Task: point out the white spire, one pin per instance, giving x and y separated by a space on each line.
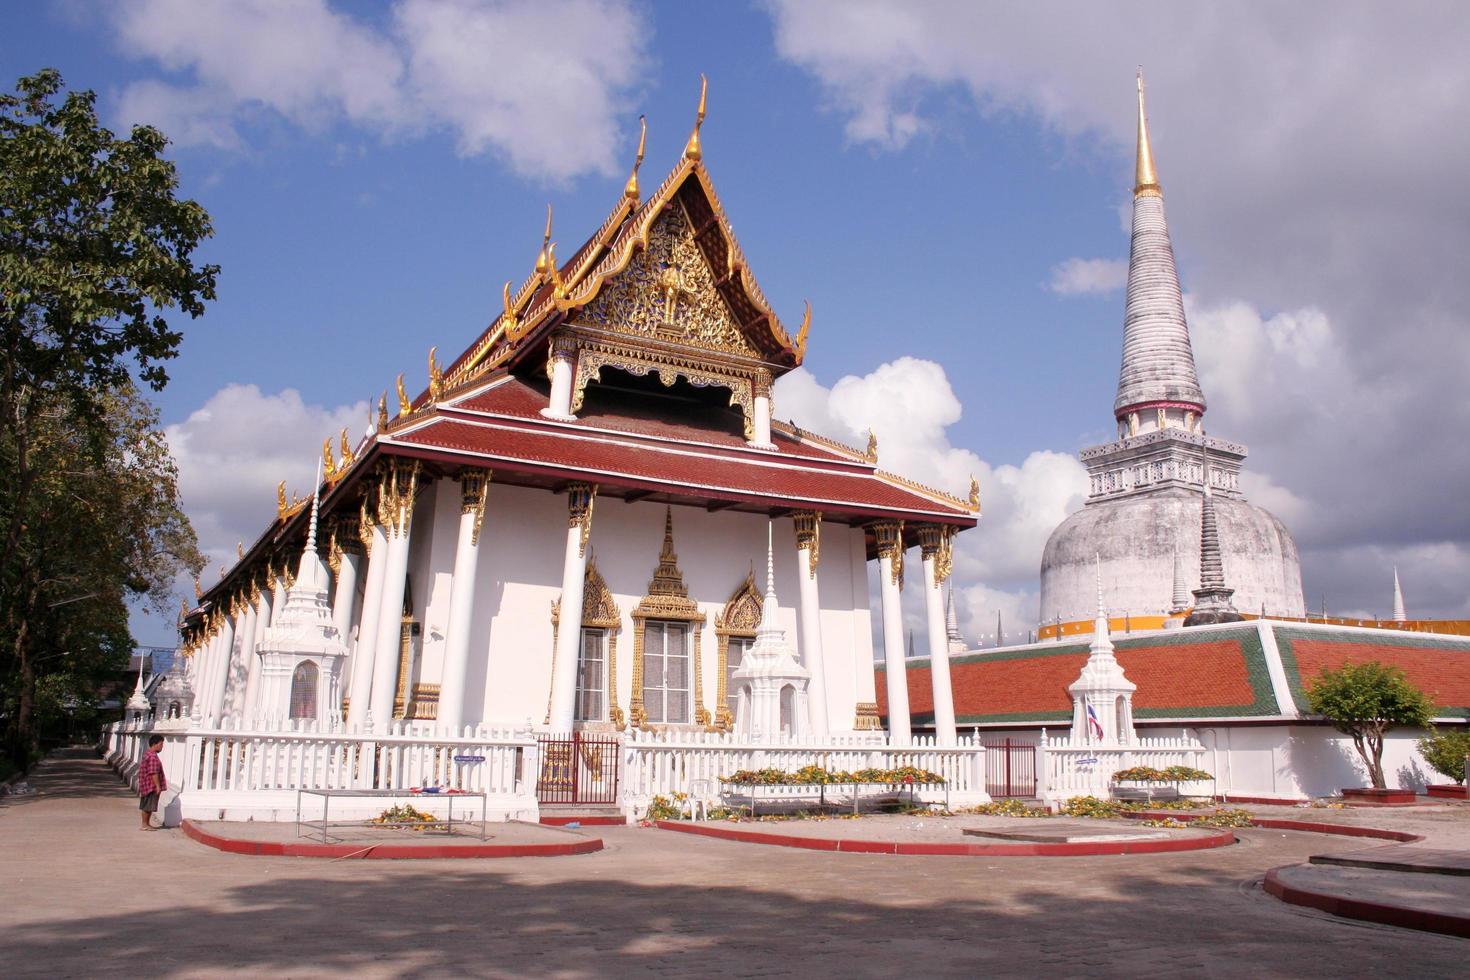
316 501
1398 598
768 626
1181 586
1102 637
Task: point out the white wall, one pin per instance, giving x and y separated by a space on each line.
519 576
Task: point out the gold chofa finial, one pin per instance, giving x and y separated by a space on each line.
198 588
329 465
347 456
631 190
404 405
872 451
974 495
436 376
543 258
558 287
281 499
511 323
806 324
240 550
1146 180
382 411
692 150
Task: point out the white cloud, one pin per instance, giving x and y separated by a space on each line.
909 404
1088 276
233 451
537 82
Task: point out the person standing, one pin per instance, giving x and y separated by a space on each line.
151 780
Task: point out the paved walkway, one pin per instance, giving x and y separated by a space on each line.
87 894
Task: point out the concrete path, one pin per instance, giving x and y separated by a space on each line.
89 895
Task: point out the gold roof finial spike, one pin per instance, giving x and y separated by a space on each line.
974 494
329 465
559 288
512 323
347 456
871 454
240 550
806 324
543 258
1146 180
404 405
692 150
383 411
436 376
631 190
198 588
281 499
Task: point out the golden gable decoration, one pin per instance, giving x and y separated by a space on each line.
740 617
667 599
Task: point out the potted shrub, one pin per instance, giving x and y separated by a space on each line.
1445 752
1365 701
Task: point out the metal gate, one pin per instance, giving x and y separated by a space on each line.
1010 769
578 769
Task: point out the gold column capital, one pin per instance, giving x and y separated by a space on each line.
936 541
474 485
808 525
889 536
580 499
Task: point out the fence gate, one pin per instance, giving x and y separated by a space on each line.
578 769
1010 769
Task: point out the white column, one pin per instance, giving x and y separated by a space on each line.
360 694
580 497
252 674
473 486
890 571
935 544
562 357
760 420
344 592
398 515
247 654
278 596
203 667
808 552
221 676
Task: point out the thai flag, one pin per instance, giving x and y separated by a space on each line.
1096 725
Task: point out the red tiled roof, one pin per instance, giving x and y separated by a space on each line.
727 473
1438 667
1222 676
525 399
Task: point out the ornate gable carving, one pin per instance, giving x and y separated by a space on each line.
667 292
742 614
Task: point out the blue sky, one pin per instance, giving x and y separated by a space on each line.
921 172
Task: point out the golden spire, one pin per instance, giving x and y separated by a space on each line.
404 405
806 324
383 411
692 149
281 499
347 456
329 465
1146 181
631 190
558 287
543 259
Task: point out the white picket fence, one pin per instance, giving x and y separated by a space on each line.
662 764
1067 769
245 773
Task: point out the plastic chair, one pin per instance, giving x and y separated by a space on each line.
700 791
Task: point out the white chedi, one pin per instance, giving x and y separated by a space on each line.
301 653
1102 697
770 684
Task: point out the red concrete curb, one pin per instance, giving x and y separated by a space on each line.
263 848
1273 823
1352 908
1219 838
584 821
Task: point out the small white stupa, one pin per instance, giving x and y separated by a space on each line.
138 706
301 655
1102 697
172 698
770 684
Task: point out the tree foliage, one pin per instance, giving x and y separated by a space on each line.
1445 752
96 257
1365 701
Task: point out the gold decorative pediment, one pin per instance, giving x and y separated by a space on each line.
667 292
742 614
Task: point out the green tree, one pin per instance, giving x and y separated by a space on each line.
1445 752
96 256
1365 701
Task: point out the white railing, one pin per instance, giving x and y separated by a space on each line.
661 764
1067 769
233 766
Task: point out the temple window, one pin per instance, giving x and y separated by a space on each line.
734 656
303 691
592 676
788 709
666 672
